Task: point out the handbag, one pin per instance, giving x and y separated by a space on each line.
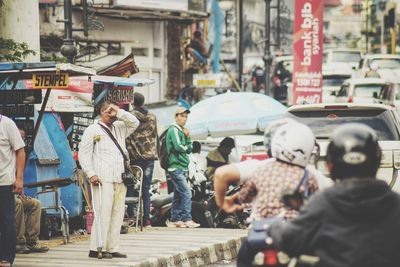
127 176
258 236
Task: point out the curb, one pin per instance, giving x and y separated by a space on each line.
200 257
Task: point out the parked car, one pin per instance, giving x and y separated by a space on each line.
362 90
386 65
351 57
324 118
333 76
389 95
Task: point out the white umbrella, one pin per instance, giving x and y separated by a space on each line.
233 114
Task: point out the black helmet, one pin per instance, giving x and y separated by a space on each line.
353 152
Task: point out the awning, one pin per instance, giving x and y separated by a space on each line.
26 70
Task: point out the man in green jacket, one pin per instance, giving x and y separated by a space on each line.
179 146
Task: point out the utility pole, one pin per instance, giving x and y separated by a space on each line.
240 45
267 51
68 48
366 27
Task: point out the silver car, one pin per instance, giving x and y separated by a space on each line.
324 118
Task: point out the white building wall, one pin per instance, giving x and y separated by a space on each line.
144 38
19 20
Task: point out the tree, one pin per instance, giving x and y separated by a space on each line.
11 50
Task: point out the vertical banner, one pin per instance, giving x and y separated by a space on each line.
307 47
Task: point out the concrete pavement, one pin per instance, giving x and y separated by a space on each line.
157 246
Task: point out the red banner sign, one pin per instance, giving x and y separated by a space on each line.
307 47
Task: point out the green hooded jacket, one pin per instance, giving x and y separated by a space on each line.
179 147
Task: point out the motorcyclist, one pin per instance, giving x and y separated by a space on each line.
265 184
355 222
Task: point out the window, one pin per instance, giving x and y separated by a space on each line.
140 51
157 52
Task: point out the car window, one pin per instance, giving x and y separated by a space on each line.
334 80
346 56
324 122
389 63
344 90
384 93
366 90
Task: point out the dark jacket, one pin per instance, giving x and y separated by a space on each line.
355 223
142 144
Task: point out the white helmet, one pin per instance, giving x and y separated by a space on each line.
293 143
270 130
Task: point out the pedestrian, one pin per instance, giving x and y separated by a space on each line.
103 164
263 187
197 164
258 79
197 48
219 156
356 221
197 168
12 164
27 213
142 148
179 146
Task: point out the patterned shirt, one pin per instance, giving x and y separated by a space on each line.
265 187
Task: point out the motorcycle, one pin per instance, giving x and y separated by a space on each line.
267 252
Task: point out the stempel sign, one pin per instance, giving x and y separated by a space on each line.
50 80
307 47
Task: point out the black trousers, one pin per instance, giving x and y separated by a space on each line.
8 233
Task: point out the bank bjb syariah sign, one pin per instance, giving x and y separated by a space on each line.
308 51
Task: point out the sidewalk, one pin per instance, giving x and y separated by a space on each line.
153 247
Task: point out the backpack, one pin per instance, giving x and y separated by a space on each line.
163 154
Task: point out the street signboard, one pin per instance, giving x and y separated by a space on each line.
50 80
307 49
26 125
20 97
80 122
207 80
17 110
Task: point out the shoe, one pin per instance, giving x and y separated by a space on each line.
147 224
191 224
22 249
178 224
105 255
118 255
4 263
36 247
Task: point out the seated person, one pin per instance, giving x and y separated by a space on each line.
219 156
27 215
197 48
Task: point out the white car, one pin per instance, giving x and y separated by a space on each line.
362 90
333 76
351 57
386 65
324 118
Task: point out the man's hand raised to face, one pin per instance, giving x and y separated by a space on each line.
112 110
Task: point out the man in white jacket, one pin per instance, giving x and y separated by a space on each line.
103 164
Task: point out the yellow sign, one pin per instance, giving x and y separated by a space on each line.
206 83
50 80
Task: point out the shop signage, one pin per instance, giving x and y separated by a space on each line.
17 110
20 96
208 80
307 48
50 80
26 125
